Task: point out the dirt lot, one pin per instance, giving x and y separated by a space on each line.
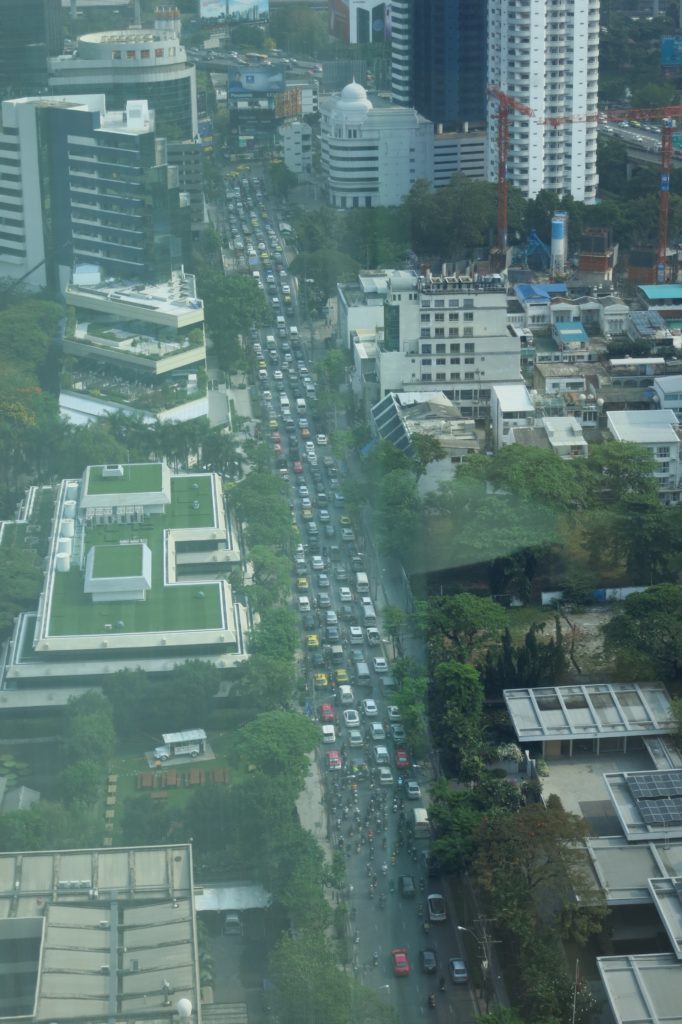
582 634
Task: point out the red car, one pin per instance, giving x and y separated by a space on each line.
297 467
326 713
401 759
334 764
401 965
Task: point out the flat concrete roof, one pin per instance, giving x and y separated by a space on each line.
513 397
118 930
644 426
643 989
591 709
624 870
667 895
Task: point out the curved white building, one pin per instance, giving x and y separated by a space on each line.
130 64
372 156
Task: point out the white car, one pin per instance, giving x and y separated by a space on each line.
380 666
278 375
321 439
345 594
370 708
385 776
324 515
309 446
351 717
436 907
355 634
304 604
412 791
397 732
393 712
306 503
312 458
317 560
354 738
303 491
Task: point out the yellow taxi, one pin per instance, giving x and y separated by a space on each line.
307 513
262 365
341 676
272 422
321 679
312 640
345 521
302 583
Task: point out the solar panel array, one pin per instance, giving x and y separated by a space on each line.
658 796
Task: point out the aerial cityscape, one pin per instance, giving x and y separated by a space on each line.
341 512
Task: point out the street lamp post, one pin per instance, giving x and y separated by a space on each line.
483 943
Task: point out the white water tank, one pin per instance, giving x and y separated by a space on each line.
64 546
63 563
69 511
67 528
72 490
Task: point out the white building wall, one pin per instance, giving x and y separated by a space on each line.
546 56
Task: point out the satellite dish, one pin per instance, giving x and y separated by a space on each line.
184 1008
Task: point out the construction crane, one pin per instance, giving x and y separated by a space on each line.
505 104
666 116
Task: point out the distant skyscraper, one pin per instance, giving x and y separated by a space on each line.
546 54
30 31
438 55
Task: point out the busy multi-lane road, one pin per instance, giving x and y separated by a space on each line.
402 936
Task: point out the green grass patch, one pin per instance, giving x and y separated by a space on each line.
139 478
117 560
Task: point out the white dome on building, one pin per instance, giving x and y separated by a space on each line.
354 97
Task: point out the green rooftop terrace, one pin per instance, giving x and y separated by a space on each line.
185 606
138 478
113 561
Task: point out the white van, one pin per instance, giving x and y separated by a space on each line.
346 695
381 755
421 823
281 326
293 333
328 734
361 583
368 610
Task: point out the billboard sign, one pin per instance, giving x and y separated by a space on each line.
248 10
262 78
671 51
212 10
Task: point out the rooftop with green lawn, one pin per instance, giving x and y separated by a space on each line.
166 607
136 478
116 560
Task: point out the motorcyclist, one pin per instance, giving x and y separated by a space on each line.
441 983
432 1000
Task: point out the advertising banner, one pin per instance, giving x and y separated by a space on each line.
288 103
212 10
248 10
263 78
671 51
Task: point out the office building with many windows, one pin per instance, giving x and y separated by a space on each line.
128 65
103 184
545 53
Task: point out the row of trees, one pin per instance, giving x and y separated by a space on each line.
526 859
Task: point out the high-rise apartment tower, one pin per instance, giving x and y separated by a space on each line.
545 53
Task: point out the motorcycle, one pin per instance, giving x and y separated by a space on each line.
431 1001
441 984
375 959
